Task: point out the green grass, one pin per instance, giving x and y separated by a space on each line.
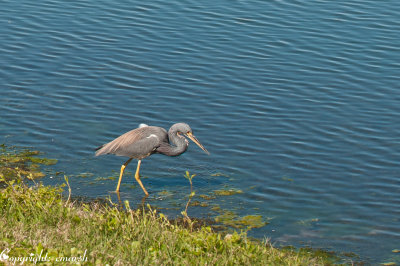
39 222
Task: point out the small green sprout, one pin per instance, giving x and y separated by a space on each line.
189 177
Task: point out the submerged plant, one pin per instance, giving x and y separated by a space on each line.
231 219
227 192
21 163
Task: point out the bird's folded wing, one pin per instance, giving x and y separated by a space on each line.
122 141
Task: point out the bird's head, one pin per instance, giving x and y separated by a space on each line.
184 129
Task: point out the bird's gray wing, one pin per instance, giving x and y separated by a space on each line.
120 145
141 148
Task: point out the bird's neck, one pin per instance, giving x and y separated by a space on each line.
179 143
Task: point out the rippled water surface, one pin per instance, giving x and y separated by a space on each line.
297 101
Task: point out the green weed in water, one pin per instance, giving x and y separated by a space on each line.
227 192
105 178
231 219
165 193
21 163
207 197
219 174
199 203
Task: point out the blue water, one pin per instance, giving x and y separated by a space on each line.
297 101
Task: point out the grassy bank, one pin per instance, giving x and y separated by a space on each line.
37 220
39 224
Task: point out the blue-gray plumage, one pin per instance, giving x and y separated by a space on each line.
147 140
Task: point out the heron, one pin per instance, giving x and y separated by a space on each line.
146 140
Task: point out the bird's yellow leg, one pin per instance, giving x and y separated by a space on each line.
137 177
122 172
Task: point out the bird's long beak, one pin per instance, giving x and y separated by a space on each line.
194 139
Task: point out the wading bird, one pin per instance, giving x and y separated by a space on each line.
146 140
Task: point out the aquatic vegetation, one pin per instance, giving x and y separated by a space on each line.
21 163
231 219
220 174
165 193
130 186
207 197
85 175
216 208
227 192
199 203
105 178
392 260
253 221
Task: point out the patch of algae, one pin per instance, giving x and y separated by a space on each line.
21 163
227 192
230 218
198 203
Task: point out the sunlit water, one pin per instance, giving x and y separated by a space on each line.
297 101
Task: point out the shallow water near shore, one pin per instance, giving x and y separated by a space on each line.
297 103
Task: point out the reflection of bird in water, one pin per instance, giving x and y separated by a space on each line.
146 140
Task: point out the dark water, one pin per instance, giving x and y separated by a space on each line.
297 101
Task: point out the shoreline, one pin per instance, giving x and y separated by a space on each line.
40 222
